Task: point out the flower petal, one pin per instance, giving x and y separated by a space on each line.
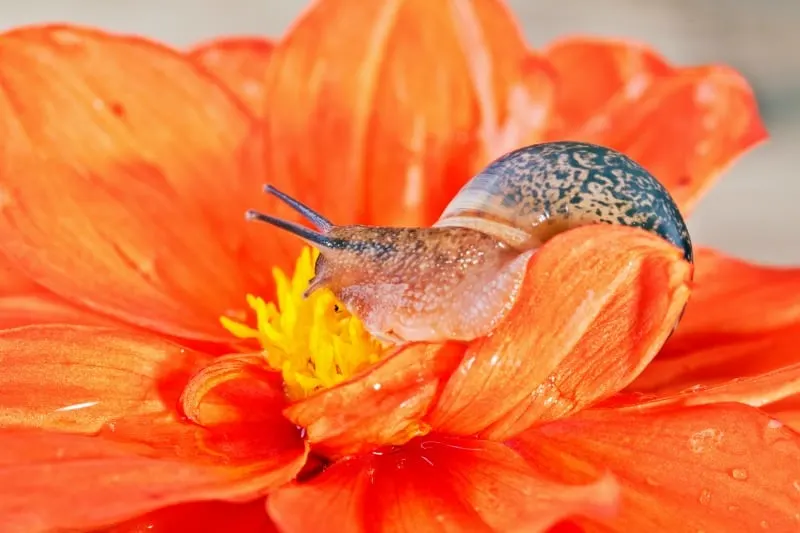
46 308
725 467
383 406
592 72
240 62
596 305
686 129
757 391
52 481
12 281
78 379
123 388
742 320
435 484
787 411
149 169
417 95
206 516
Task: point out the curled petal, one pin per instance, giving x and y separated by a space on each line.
742 320
724 467
56 482
128 170
594 72
436 484
596 305
419 93
686 129
240 62
381 407
243 377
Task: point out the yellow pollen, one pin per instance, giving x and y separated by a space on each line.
314 342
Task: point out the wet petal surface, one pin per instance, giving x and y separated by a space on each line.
725 467
436 483
121 390
596 305
383 406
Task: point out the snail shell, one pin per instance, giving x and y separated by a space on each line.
531 194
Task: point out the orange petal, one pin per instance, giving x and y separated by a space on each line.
78 379
147 180
380 111
42 307
596 305
240 62
51 481
787 411
382 406
435 484
202 517
592 72
256 391
123 387
757 391
686 129
742 319
724 467
12 281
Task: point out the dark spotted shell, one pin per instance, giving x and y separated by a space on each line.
531 194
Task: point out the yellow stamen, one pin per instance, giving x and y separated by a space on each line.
314 342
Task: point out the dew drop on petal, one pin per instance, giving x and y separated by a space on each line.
764 524
796 485
705 497
774 424
652 481
739 473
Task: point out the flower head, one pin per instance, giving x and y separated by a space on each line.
126 401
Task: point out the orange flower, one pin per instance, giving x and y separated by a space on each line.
127 168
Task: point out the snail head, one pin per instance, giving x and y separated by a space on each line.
409 284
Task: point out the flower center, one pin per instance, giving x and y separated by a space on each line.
314 342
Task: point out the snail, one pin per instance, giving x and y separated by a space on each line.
457 279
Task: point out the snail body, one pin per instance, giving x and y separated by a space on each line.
457 279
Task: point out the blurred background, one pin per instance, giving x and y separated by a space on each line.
754 212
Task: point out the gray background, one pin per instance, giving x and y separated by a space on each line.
753 212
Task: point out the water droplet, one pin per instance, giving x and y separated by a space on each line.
705 497
739 473
764 524
796 485
705 439
377 386
652 482
774 424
